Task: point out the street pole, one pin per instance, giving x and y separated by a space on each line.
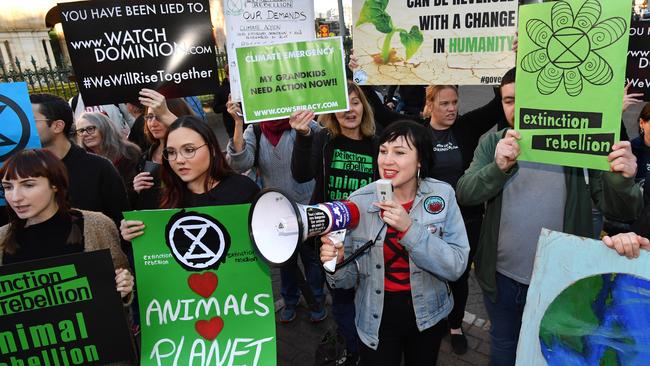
341 19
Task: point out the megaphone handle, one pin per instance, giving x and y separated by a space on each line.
336 237
330 265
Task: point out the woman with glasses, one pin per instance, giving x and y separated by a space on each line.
195 173
97 134
146 183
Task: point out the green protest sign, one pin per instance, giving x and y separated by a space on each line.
570 77
281 78
62 311
205 298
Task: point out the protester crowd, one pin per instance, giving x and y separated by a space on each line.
459 202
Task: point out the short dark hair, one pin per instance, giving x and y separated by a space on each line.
54 108
417 136
174 188
508 77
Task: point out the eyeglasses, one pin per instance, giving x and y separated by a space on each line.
149 117
187 152
88 130
42 119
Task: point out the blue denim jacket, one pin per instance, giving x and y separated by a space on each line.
438 251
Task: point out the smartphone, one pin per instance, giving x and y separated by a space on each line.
151 167
384 190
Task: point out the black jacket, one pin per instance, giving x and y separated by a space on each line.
95 184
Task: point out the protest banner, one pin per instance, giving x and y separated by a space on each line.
17 125
62 311
418 42
204 296
118 47
259 22
586 305
638 59
282 78
570 79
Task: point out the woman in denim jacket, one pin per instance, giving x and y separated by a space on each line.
420 244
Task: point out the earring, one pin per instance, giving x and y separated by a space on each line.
418 176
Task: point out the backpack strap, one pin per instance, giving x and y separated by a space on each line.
257 129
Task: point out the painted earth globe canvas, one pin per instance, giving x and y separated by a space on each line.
599 320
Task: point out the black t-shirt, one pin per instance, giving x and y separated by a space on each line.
349 165
46 239
232 190
448 165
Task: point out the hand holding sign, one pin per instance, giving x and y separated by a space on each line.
630 99
130 229
234 108
123 281
156 102
300 120
627 244
507 151
622 160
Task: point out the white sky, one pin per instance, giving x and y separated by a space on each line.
321 6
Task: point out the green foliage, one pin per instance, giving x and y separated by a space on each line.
374 11
411 40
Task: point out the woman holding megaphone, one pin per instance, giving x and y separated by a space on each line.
420 244
341 158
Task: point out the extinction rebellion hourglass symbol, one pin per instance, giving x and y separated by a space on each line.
198 242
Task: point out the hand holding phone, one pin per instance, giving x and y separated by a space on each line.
384 190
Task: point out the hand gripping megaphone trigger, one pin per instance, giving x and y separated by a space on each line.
277 225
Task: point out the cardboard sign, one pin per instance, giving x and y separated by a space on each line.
638 59
586 305
259 22
118 47
570 79
417 42
282 78
62 311
17 125
205 298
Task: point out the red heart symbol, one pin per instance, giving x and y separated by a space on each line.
209 329
203 284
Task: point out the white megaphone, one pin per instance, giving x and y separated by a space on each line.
277 225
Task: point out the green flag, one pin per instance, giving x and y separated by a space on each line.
205 298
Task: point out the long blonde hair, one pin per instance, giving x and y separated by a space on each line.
367 125
431 96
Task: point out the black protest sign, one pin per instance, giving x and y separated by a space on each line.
638 59
118 47
62 311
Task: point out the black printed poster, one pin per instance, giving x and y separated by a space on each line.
638 59
120 47
62 311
